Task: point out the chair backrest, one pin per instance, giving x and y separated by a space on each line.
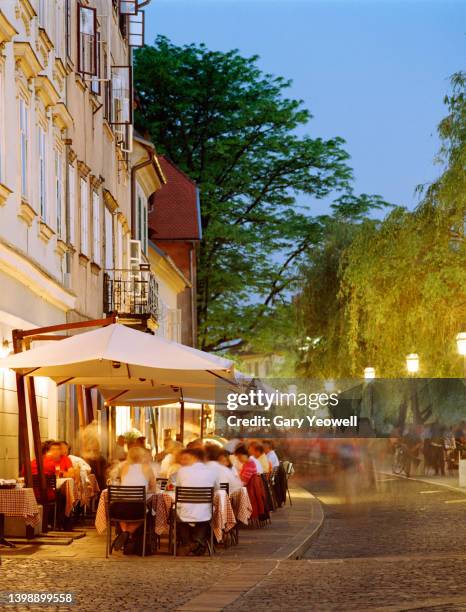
162 482
134 497
50 482
194 495
273 474
289 468
225 486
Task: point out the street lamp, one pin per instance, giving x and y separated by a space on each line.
412 363
461 344
369 373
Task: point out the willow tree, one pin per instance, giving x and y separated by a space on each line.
403 281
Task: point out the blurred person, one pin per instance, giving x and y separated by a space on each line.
54 462
194 518
248 466
270 453
119 452
82 468
172 447
222 472
134 472
437 448
196 443
256 450
413 443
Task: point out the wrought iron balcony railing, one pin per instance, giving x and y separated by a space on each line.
131 293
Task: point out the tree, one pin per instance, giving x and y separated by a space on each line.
234 131
399 284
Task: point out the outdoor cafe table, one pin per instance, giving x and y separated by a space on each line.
241 505
161 503
18 503
70 490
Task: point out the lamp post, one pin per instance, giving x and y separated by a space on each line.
369 375
412 365
461 345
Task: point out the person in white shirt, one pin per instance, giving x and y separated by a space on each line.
194 518
271 454
218 462
171 449
83 469
260 469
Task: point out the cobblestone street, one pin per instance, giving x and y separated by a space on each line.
398 549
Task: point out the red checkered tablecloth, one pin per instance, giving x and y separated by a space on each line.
88 490
159 503
224 517
22 503
241 505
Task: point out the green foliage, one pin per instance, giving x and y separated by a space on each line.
397 286
234 131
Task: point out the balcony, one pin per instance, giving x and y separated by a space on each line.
132 294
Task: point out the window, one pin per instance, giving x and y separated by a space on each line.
24 144
108 239
59 30
96 257
95 80
42 173
84 217
128 7
121 95
71 204
42 13
136 29
2 127
68 21
87 40
141 218
60 208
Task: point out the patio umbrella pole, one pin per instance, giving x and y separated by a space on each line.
37 446
23 434
89 407
202 422
181 435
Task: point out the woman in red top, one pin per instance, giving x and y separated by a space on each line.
248 467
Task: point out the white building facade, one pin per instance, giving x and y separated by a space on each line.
66 185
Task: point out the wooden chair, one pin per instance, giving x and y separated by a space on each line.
194 495
50 487
132 497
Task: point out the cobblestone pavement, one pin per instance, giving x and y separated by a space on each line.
138 584
402 547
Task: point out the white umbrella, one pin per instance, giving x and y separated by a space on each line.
121 357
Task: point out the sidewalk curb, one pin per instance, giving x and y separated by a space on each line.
295 549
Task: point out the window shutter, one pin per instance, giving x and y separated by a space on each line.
108 239
87 40
121 95
96 229
128 7
136 29
84 218
72 205
42 174
59 202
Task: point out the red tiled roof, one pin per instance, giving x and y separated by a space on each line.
175 211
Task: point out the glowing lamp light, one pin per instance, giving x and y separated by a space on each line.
461 343
412 363
4 349
369 373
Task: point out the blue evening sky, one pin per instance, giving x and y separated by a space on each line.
372 71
